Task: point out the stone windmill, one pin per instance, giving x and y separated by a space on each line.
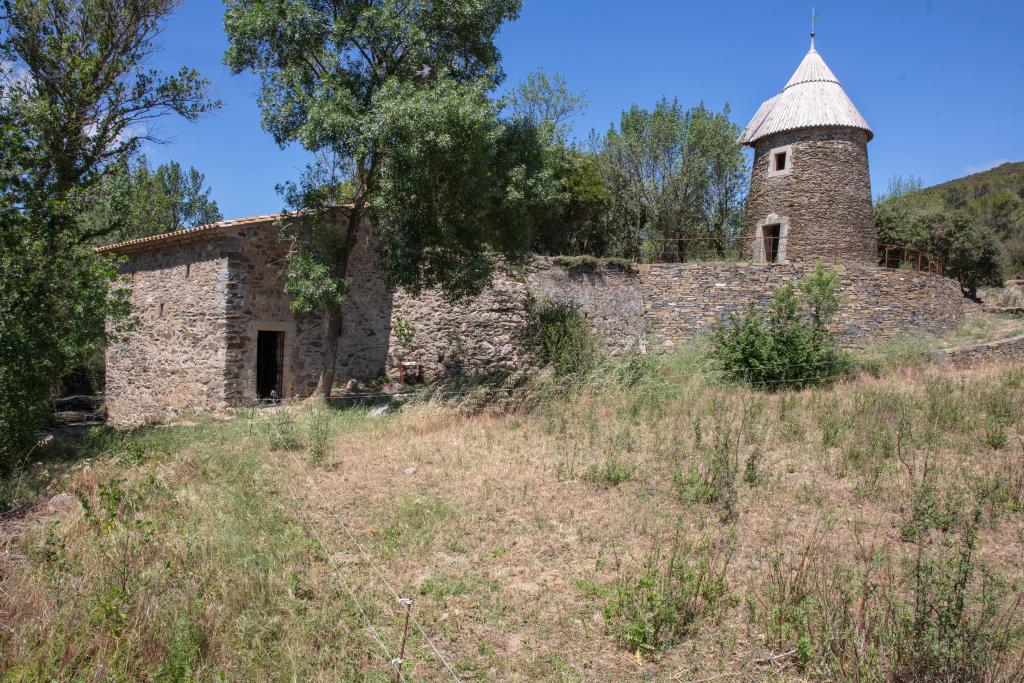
810 191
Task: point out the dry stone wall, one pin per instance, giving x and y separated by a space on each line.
1007 350
201 304
484 334
174 360
683 301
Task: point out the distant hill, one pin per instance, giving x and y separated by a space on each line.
992 201
1008 177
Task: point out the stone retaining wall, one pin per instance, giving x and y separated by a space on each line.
484 334
201 303
1002 350
684 300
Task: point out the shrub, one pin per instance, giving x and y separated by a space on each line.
959 621
593 263
404 332
712 478
610 473
752 469
791 347
281 432
319 433
562 337
661 603
962 620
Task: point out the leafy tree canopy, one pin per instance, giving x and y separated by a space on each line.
673 174
394 96
139 200
985 207
547 102
76 99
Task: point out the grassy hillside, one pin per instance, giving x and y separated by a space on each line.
1009 176
651 524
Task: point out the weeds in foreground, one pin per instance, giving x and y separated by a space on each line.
711 478
663 601
281 431
318 429
611 472
194 558
956 620
175 568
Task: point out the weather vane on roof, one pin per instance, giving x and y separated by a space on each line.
814 18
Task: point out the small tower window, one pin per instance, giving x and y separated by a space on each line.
161 313
780 161
188 270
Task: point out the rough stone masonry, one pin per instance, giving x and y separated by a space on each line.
202 298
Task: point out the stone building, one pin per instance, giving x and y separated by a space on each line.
810 190
215 328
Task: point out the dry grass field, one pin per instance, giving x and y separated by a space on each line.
654 525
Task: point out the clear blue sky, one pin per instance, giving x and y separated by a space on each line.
940 81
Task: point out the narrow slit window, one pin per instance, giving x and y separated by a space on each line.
780 161
188 270
161 313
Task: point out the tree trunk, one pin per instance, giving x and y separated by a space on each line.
326 382
335 317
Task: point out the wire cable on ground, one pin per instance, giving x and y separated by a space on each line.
366 556
659 387
316 534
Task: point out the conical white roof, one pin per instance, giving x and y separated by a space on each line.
813 98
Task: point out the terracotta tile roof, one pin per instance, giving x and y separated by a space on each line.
179 236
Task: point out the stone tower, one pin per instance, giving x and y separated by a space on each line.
810 192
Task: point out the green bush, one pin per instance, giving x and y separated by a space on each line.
789 346
610 473
562 338
662 603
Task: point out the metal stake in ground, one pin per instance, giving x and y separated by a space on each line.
406 603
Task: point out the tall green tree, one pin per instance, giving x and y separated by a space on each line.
972 254
991 202
581 223
76 101
969 249
675 174
547 101
139 200
579 220
395 95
